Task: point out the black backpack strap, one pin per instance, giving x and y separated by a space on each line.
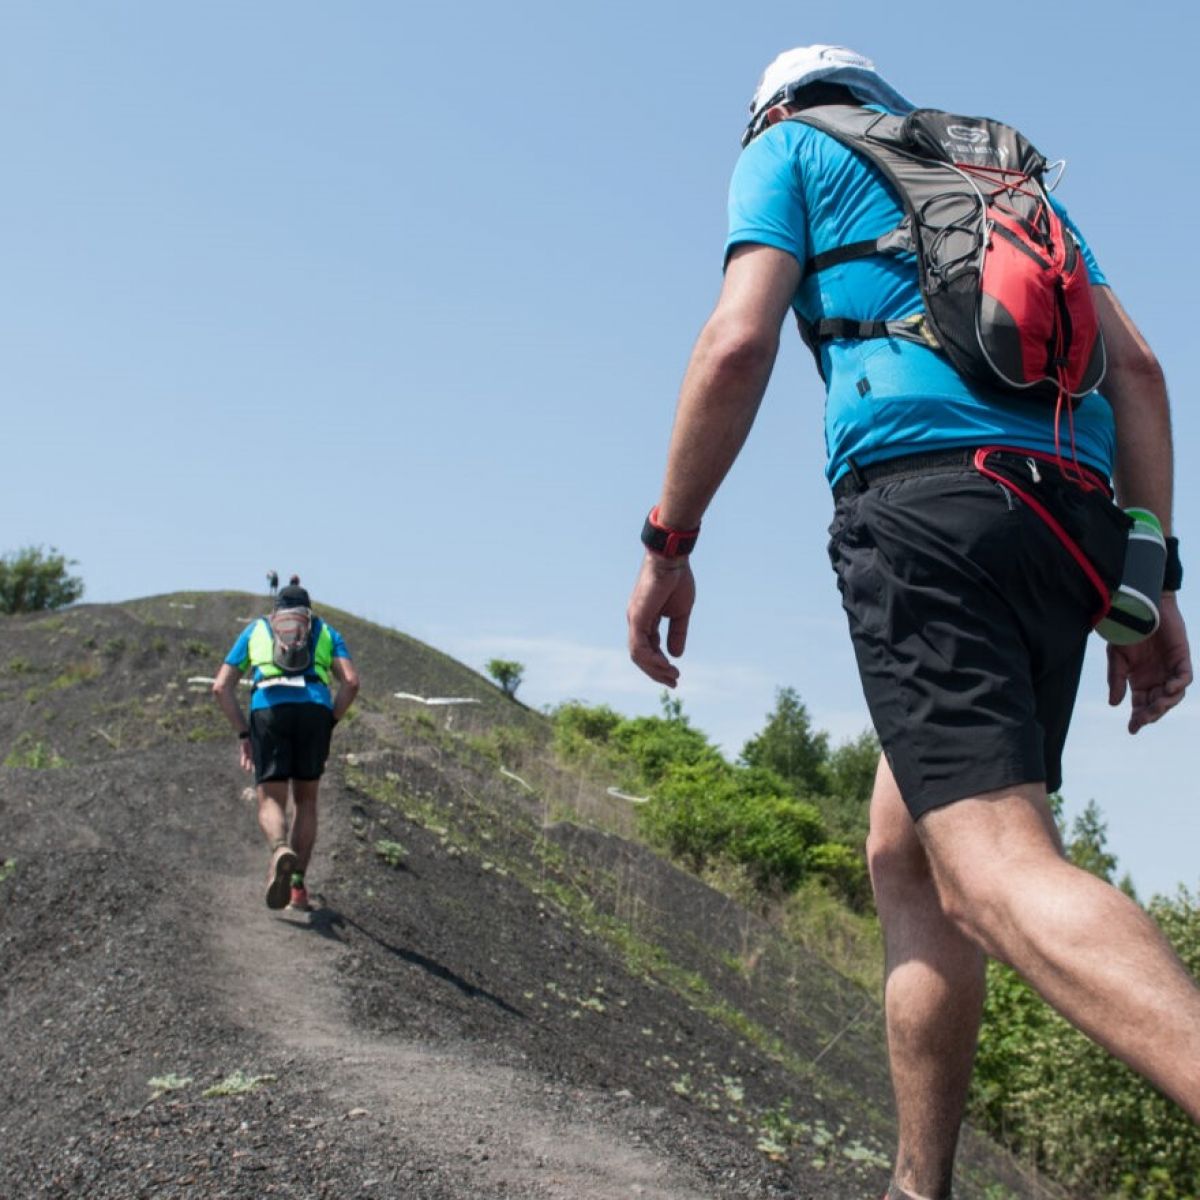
895 241
908 329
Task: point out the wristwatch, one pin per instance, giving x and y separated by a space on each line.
662 539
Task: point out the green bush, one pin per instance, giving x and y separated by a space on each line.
36 580
844 870
708 810
1057 1098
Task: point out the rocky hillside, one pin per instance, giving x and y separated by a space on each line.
500 995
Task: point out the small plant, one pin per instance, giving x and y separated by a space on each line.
19 666
392 853
197 649
34 754
114 647
168 1083
7 867
237 1084
73 673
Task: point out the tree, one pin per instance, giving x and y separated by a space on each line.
788 746
507 674
1088 847
36 580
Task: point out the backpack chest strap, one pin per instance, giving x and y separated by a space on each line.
895 242
909 329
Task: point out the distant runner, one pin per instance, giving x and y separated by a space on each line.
272 583
292 654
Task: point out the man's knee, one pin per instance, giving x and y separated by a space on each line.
897 863
896 859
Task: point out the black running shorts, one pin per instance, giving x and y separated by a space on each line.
290 741
969 619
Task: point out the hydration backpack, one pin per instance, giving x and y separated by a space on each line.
291 636
1006 290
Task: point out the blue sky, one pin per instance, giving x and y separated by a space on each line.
399 297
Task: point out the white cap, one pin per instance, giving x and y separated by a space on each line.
797 68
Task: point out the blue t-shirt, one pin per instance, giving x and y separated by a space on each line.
313 691
802 191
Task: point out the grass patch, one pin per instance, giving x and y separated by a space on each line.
74 673
34 754
850 942
168 1083
392 853
237 1084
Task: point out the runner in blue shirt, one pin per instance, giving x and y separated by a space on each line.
286 739
969 595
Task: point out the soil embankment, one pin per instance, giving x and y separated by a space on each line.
494 999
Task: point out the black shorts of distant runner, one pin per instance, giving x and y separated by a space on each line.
290 741
969 616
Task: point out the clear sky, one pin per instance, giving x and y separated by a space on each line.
399 296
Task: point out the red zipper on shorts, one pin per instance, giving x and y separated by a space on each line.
1072 548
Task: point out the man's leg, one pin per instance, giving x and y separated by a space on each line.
1088 949
304 824
272 820
272 811
933 996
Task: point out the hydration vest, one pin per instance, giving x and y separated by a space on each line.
262 653
1006 290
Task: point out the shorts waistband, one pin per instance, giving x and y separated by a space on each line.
858 479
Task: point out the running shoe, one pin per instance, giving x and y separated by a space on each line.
279 880
299 901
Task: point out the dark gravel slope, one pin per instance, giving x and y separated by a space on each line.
490 1001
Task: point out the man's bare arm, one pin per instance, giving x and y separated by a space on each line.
722 390
1157 671
1136 389
725 379
225 693
347 677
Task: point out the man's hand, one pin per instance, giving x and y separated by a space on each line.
246 758
665 588
1158 670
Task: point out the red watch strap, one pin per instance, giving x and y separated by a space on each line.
663 539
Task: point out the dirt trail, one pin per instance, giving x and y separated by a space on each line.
506 1128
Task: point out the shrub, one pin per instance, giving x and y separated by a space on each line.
709 810
36 580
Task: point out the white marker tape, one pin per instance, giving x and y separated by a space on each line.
612 791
